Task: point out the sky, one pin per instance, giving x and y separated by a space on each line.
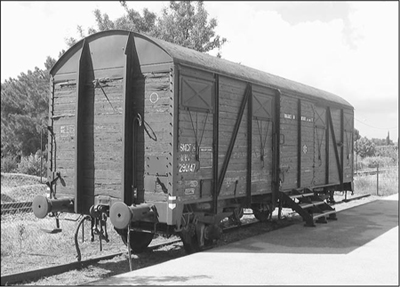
347 48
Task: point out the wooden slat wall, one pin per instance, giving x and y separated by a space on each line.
187 155
159 117
194 184
348 145
288 149
320 146
333 167
64 129
231 93
307 144
107 139
261 171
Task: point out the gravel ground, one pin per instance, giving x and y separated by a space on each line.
118 265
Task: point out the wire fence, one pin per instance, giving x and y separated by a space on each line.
29 243
377 181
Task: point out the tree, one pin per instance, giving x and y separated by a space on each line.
388 140
356 134
50 62
24 101
365 147
187 25
24 111
382 142
133 21
182 23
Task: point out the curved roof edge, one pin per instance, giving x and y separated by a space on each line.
221 66
225 67
78 45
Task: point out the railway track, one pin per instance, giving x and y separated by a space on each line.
55 270
16 207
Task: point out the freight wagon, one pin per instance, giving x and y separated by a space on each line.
164 139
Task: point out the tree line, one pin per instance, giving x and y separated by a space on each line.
365 147
25 100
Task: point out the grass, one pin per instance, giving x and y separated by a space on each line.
388 183
24 246
16 187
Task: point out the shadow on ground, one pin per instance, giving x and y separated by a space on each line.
152 280
354 228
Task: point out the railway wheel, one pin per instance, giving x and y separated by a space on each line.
236 216
138 240
190 242
262 212
190 238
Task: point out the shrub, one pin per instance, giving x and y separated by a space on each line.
364 147
390 151
8 164
372 161
32 165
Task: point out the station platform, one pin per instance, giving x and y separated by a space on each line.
360 248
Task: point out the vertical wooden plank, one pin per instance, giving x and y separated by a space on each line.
341 148
84 181
80 85
307 146
299 143
327 157
174 92
320 145
288 142
129 123
50 175
215 144
352 148
276 146
335 149
249 145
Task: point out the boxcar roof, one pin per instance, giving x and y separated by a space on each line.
204 61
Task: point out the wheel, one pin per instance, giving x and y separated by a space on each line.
262 212
138 240
261 215
236 216
189 239
191 242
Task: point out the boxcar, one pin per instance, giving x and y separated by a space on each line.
165 139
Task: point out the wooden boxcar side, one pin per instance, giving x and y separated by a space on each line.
164 138
199 104
306 158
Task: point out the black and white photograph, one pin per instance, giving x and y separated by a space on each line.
199 143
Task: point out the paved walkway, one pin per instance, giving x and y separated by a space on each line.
360 248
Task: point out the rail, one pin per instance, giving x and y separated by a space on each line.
16 207
54 270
